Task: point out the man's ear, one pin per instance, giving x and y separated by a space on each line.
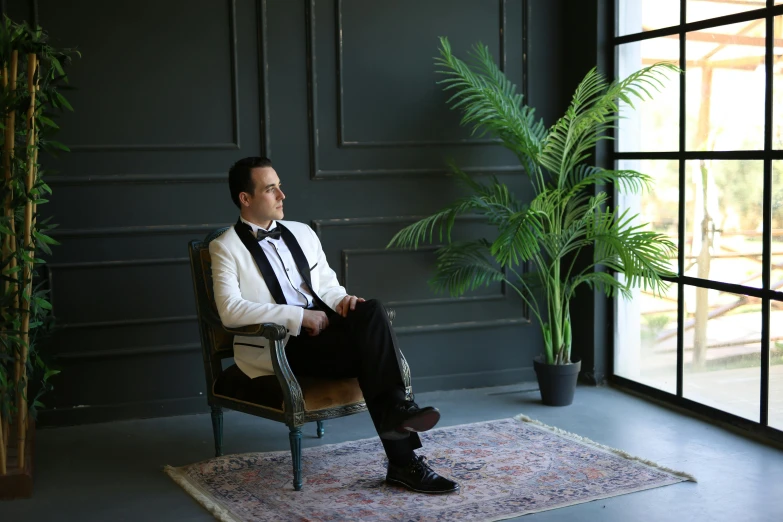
243 199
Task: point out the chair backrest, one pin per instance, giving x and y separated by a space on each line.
216 344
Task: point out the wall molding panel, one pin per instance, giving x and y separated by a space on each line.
343 142
234 144
319 173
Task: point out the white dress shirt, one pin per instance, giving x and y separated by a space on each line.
294 288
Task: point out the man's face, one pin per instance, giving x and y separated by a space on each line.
266 201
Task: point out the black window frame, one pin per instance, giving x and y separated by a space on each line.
767 155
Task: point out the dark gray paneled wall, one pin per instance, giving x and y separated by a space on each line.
341 95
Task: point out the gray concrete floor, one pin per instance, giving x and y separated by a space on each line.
111 472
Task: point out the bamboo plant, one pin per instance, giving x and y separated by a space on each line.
32 75
568 216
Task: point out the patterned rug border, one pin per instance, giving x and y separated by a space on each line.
216 508
223 514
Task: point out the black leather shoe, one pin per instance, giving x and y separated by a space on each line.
417 476
406 417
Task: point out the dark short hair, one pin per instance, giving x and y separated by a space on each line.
240 178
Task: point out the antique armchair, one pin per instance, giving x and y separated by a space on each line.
281 397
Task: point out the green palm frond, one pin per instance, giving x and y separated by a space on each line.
625 180
517 240
621 245
497 203
490 103
464 266
424 229
604 281
593 110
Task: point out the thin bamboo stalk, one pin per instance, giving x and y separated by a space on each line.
3 423
28 266
9 80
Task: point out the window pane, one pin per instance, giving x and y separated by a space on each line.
635 16
645 348
722 342
653 125
777 86
776 270
703 9
646 326
723 221
776 366
776 344
725 87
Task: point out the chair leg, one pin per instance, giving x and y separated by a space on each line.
217 429
320 429
295 436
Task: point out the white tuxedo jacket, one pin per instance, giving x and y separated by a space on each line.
243 298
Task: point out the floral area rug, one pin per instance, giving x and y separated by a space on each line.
506 468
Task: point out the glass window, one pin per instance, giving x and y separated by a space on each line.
776 311
646 339
720 167
722 351
697 10
723 221
725 87
777 86
776 270
652 125
636 16
646 333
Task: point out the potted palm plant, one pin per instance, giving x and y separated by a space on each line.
568 217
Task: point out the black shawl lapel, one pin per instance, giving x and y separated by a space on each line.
301 264
244 231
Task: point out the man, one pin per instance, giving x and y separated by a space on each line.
267 270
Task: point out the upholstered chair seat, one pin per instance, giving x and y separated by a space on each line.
320 395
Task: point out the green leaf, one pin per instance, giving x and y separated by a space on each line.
45 239
45 248
43 303
463 266
64 102
57 145
45 187
48 122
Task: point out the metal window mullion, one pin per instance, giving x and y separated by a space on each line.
722 155
681 211
701 25
767 217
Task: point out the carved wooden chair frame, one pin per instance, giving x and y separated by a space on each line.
217 344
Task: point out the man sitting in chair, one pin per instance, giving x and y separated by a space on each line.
330 334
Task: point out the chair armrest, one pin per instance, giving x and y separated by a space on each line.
293 398
292 391
271 331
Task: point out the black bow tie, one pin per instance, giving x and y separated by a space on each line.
272 234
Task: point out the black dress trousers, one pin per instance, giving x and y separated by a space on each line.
362 345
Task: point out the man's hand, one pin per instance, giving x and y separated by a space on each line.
314 321
348 303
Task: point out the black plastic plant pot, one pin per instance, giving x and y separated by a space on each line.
557 382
